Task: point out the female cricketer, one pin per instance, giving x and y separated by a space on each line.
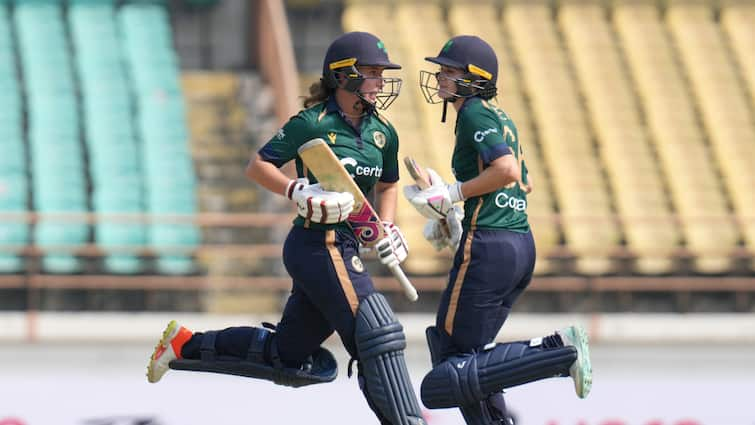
495 250
331 290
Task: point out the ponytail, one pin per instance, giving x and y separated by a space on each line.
318 93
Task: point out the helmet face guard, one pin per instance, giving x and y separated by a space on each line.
355 49
467 85
350 79
475 58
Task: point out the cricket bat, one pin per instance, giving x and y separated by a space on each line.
367 226
423 182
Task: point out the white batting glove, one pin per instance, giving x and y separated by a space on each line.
437 236
317 204
392 249
435 201
433 233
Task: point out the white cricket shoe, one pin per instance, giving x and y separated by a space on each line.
169 348
581 369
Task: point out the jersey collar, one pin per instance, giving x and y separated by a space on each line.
332 106
468 101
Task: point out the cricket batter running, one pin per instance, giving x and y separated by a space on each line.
331 289
495 250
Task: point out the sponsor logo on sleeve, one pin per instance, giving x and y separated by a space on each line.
479 135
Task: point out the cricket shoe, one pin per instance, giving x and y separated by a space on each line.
581 369
168 349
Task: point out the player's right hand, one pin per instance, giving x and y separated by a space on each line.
437 200
317 204
438 238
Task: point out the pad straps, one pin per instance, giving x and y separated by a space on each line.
207 347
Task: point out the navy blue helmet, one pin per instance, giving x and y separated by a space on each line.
353 49
472 55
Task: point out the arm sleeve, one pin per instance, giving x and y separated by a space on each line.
282 147
390 158
487 136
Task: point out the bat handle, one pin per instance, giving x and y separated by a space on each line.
444 228
409 291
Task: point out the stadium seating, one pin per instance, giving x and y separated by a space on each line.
59 183
737 23
636 119
722 103
575 170
695 188
169 178
13 180
108 131
623 144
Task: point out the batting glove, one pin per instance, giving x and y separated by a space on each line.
319 205
450 237
392 249
436 201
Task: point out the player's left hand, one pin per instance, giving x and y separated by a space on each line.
436 201
392 249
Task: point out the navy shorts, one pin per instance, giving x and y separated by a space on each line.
329 281
491 269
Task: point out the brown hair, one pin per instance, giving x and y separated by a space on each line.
317 93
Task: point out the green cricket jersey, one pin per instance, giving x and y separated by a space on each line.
369 154
484 133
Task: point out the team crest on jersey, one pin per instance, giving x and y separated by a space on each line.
356 263
332 137
379 139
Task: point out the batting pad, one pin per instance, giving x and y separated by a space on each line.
380 343
321 367
467 379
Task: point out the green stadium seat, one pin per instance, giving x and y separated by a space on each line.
175 265
13 158
61 263
10 263
13 191
123 264
52 234
56 202
127 200
173 235
14 233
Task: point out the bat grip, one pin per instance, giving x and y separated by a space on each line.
444 228
409 291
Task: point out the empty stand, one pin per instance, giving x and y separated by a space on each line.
583 198
623 143
168 172
13 180
696 190
57 162
722 103
114 156
737 19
